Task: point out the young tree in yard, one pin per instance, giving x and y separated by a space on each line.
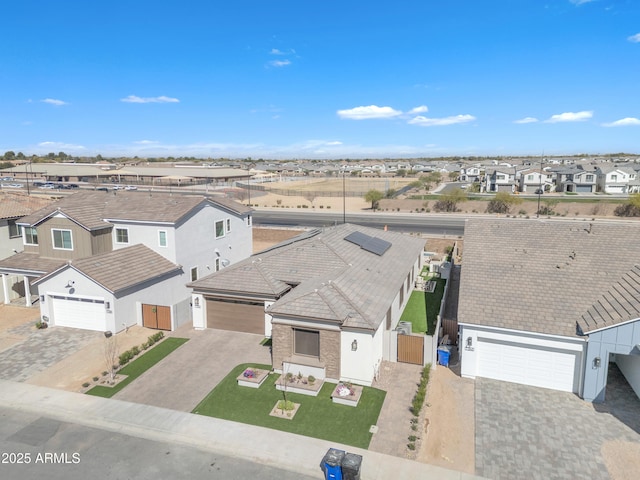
453 176
373 196
502 203
310 196
449 202
111 355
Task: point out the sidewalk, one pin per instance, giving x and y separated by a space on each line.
255 444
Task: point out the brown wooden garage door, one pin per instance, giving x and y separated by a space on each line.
237 316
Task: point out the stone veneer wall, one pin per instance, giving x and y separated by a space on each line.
282 348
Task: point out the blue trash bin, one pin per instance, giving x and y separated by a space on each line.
443 356
332 464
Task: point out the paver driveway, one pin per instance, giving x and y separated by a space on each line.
534 433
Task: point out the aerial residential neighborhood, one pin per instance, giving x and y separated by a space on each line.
310 240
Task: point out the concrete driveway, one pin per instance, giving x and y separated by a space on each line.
534 433
181 380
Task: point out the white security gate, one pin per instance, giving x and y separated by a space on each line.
528 364
78 312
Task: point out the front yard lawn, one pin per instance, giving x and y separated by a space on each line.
317 417
140 365
423 307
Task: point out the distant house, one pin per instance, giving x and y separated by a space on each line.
575 179
501 180
550 304
531 180
131 253
614 179
328 299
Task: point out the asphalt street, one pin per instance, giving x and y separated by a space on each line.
37 447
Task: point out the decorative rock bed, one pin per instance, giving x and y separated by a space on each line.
252 377
347 394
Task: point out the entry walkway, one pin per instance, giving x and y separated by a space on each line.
255 444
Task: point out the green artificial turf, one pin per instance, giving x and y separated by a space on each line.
422 309
317 417
140 365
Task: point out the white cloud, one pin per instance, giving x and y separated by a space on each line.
581 2
53 101
160 99
437 122
420 109
570 117
146 142
623 122
279 63
334 143
527 120
371 111
634 38
275 51
60 146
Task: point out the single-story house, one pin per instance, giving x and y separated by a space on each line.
112 291
328 299
550 303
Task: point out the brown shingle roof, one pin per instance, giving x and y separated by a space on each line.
92 210
543 275
16 205
30 263
124 268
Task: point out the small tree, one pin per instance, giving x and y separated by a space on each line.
547 208
374 196
310 196
449 202
630 208
111 354
453 176
502 203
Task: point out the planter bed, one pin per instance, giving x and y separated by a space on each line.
351 399
298 386
252 377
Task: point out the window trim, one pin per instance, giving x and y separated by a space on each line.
53 238
17 229
121 229
215 229
166 239
34 233
310 355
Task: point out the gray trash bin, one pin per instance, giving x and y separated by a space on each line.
351 464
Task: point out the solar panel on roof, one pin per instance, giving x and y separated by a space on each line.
358 238
376 245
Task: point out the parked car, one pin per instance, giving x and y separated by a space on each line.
6 179
102 189
14 185
130 187
72 185
38 184
118 187
48 186
539 191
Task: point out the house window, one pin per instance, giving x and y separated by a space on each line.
401 296
220 229
529 177
306 342
62 239
194 274
217 266
14 230
614 178
162 238
122 235
248 220
30 236
228 225
389 319
589 178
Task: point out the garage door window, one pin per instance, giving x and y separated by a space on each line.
306 342
62 239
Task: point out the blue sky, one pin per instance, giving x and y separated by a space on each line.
320 79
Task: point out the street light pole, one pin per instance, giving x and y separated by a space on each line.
540 185
344 200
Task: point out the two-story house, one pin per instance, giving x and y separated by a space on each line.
104 261
12 207
501 179
575 179
614 179
531 180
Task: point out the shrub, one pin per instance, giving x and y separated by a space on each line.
125 357
419 397
135 351
627 210
311 379
86 384
286 406
95 379
412 438
411 446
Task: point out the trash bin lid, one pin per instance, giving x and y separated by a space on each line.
352 461
334 457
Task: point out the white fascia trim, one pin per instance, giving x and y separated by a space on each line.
520 332
141 222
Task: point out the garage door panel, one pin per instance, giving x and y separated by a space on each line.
528 364
77 312
236 316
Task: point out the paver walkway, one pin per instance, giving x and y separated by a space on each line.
39 349
534 433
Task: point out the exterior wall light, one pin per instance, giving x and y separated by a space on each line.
469 344
596 362
354 345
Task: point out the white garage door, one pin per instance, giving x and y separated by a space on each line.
76 312
527 364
